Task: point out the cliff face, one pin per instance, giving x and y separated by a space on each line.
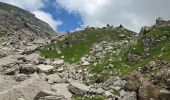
20 28
16 20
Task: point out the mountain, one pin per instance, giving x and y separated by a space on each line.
140 59
109 63
19 28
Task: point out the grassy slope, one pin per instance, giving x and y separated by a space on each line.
160 50
81 42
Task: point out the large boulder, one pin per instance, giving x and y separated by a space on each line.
133 82
162 78
149 91
164 94
27 69
62 89
54 78
47 95
78 88
28 89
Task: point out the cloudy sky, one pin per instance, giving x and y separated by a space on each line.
70 15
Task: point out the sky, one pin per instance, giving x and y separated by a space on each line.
71 15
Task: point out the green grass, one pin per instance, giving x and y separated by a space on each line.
91 97
81 42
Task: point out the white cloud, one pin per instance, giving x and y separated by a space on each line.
35 7
132 14
46 17
29 5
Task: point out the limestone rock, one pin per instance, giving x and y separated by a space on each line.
86 63
45 68
27 69
62 89
58 62
27 89
78 88
54 78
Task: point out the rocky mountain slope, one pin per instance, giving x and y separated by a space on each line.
19 28
109 63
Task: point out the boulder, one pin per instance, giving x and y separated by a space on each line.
58 62
20 77
62 89
129 96
109 82
28 89
85 63
133 57
149 91
133 82
47 95
45 68
10 71
164 94
162 77
54 78
27 69
78 88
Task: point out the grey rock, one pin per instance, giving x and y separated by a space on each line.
28 89
78 88
28 69
45 68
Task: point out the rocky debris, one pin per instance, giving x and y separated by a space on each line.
78 88
150 66
128 96
45 68
109 82
28 89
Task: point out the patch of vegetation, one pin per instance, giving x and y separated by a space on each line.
159 32
78 44
89 97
